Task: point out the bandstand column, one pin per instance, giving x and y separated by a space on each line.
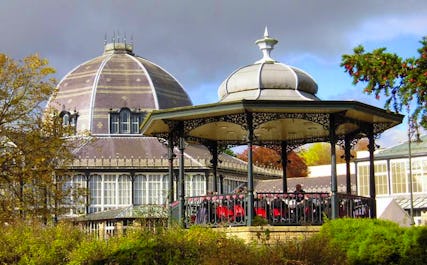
213 148
171 176
250 139
347 156
181 186
334 186
284 159
372 190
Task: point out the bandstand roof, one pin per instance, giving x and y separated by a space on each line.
273 120
278 101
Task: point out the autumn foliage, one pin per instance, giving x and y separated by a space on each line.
266 157
32 143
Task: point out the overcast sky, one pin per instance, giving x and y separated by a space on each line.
202 42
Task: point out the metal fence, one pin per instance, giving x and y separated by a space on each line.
272 208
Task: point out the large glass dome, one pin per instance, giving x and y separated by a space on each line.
116 86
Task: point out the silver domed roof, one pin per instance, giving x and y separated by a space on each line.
117 79
268 79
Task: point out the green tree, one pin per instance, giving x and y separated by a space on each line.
402 81
317 154
320 153
229 152
33 147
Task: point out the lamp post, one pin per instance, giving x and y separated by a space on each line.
411 199
412 128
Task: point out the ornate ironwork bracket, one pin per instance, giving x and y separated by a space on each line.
239 119
380 127
175 129
278 148
320 118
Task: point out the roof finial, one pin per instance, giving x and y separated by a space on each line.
119 43
266 45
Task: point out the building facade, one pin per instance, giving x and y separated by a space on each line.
118 168
108 98
394 175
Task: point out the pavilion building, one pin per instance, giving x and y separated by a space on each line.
265 103
400 175
108 97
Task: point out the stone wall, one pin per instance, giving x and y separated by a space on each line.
270 234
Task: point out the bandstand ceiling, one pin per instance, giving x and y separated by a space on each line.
273 121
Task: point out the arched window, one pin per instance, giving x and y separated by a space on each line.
125 185
150 189
69 119
95 191
195 185
67 188
110 190
66 119
114 123
138 186
135 122
157 189
125 121
79 193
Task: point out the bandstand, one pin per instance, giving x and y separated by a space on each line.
271 104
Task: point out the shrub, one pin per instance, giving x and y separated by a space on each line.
365 241
33 243
197 245
413 247
90 251
341 241
313 250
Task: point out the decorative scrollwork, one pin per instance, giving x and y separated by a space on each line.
221 143
239 119
291 147
320 118
341 143
381 126
339 120
354 141
274 147
298 142
174 131
278 148
212 147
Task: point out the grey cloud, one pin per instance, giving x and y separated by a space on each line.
199 42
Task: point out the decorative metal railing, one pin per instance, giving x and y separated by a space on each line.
354 206
216 210
273 208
